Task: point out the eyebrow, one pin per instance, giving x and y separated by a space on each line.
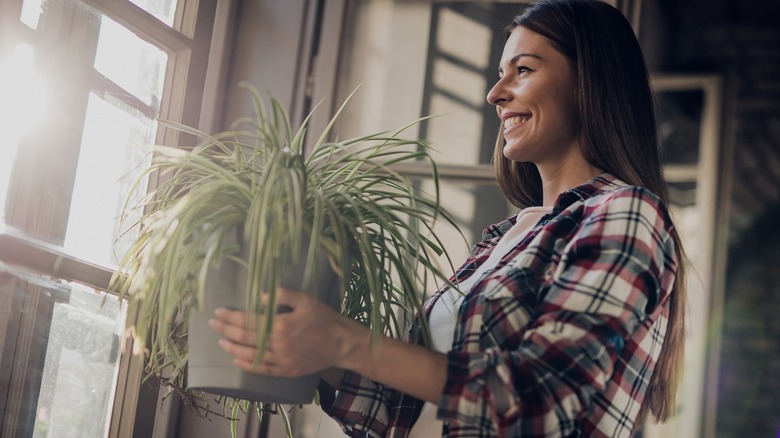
516 58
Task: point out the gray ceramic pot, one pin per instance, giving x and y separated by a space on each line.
210 369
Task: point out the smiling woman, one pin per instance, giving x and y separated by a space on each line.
573 328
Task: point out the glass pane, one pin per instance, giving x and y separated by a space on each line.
423 58
682 194
23 106
687 216
115 149
164 10
680 116
130 62
31 12
80 371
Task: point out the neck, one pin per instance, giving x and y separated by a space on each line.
563 175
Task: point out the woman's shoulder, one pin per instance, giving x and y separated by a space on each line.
626 204
608 191
625 195
607 197
628 196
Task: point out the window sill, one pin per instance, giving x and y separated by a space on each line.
23 251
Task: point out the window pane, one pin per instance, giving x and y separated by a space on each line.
23 105
164 10
31 12
436 58
686 213
115 149
130 62
81 366
680 118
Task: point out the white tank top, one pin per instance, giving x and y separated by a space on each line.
444 314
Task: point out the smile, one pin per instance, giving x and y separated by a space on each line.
512 121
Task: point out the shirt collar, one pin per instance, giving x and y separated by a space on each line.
604 183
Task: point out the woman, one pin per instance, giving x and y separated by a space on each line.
571 317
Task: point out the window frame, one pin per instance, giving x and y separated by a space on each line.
32 236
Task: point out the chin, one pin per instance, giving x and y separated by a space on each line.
515 153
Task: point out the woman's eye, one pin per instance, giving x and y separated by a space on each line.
523 69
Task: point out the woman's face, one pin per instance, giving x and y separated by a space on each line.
536 99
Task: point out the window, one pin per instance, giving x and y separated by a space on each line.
689 110
83 84
449 53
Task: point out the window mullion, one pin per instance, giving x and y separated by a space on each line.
144 24
104 87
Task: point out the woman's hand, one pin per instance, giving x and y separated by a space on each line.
311 337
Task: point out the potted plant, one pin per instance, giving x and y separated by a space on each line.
245 211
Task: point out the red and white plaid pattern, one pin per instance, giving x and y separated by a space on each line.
560 339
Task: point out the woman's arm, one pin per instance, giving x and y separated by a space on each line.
312 338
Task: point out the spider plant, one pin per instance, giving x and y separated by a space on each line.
343 200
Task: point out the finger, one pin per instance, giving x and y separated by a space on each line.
246 359
233 317
238 334
238 318
267 369
239 351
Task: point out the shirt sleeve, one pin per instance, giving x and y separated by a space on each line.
361 406
364 408
614 274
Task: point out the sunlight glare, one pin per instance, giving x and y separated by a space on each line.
23 105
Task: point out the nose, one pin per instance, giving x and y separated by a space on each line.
498 94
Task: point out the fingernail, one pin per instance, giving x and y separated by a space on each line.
212 323
222 343
220 311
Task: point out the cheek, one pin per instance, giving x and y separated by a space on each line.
574 115
572 105
566 111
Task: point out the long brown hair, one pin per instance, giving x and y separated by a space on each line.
618 134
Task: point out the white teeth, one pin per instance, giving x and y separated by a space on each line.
515 120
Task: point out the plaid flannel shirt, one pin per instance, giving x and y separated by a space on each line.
560 339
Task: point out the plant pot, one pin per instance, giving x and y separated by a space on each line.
212 370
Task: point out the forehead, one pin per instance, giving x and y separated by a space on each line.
524 41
